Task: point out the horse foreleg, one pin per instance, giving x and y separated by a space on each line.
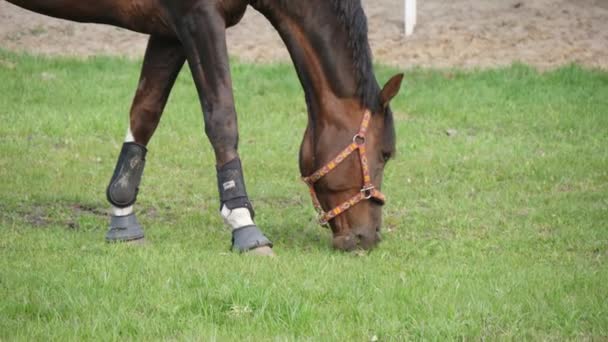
202 31
162 63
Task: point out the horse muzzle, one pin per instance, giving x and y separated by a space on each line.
357 239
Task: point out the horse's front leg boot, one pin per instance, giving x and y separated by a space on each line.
231 186
237 211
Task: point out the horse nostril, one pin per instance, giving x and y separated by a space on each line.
378 234
345 242
368 240
360 240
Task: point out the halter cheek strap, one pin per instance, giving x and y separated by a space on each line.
368 190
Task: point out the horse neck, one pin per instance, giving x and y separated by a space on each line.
318 46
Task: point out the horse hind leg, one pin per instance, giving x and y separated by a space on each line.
202 31
162 63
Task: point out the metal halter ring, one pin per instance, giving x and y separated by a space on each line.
368 192
322 221
359 139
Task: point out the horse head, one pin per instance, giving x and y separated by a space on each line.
342 159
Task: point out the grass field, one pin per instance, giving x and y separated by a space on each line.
499 231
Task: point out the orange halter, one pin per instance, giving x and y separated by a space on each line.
368 190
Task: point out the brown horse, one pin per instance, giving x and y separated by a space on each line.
349 137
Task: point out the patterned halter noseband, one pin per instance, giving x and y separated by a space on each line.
368 190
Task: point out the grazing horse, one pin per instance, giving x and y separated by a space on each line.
350 133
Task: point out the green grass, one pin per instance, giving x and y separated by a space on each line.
498 232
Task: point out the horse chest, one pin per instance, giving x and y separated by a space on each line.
233 10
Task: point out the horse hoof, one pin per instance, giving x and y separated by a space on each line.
138 242
263 251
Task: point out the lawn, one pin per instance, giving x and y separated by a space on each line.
498 230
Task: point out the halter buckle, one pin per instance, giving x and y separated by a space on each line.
368 191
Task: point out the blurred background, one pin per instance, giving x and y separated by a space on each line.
461 33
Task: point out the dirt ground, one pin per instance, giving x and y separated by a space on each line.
463 33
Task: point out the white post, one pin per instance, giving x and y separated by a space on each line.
410 16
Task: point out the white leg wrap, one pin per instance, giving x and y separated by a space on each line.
122 211
129 137
236 218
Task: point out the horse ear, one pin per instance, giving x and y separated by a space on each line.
391 88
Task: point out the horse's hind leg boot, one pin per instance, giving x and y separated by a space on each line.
231 186
124 185
124 228
247 238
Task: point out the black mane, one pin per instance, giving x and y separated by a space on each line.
351 16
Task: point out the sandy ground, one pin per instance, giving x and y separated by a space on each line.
464 33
